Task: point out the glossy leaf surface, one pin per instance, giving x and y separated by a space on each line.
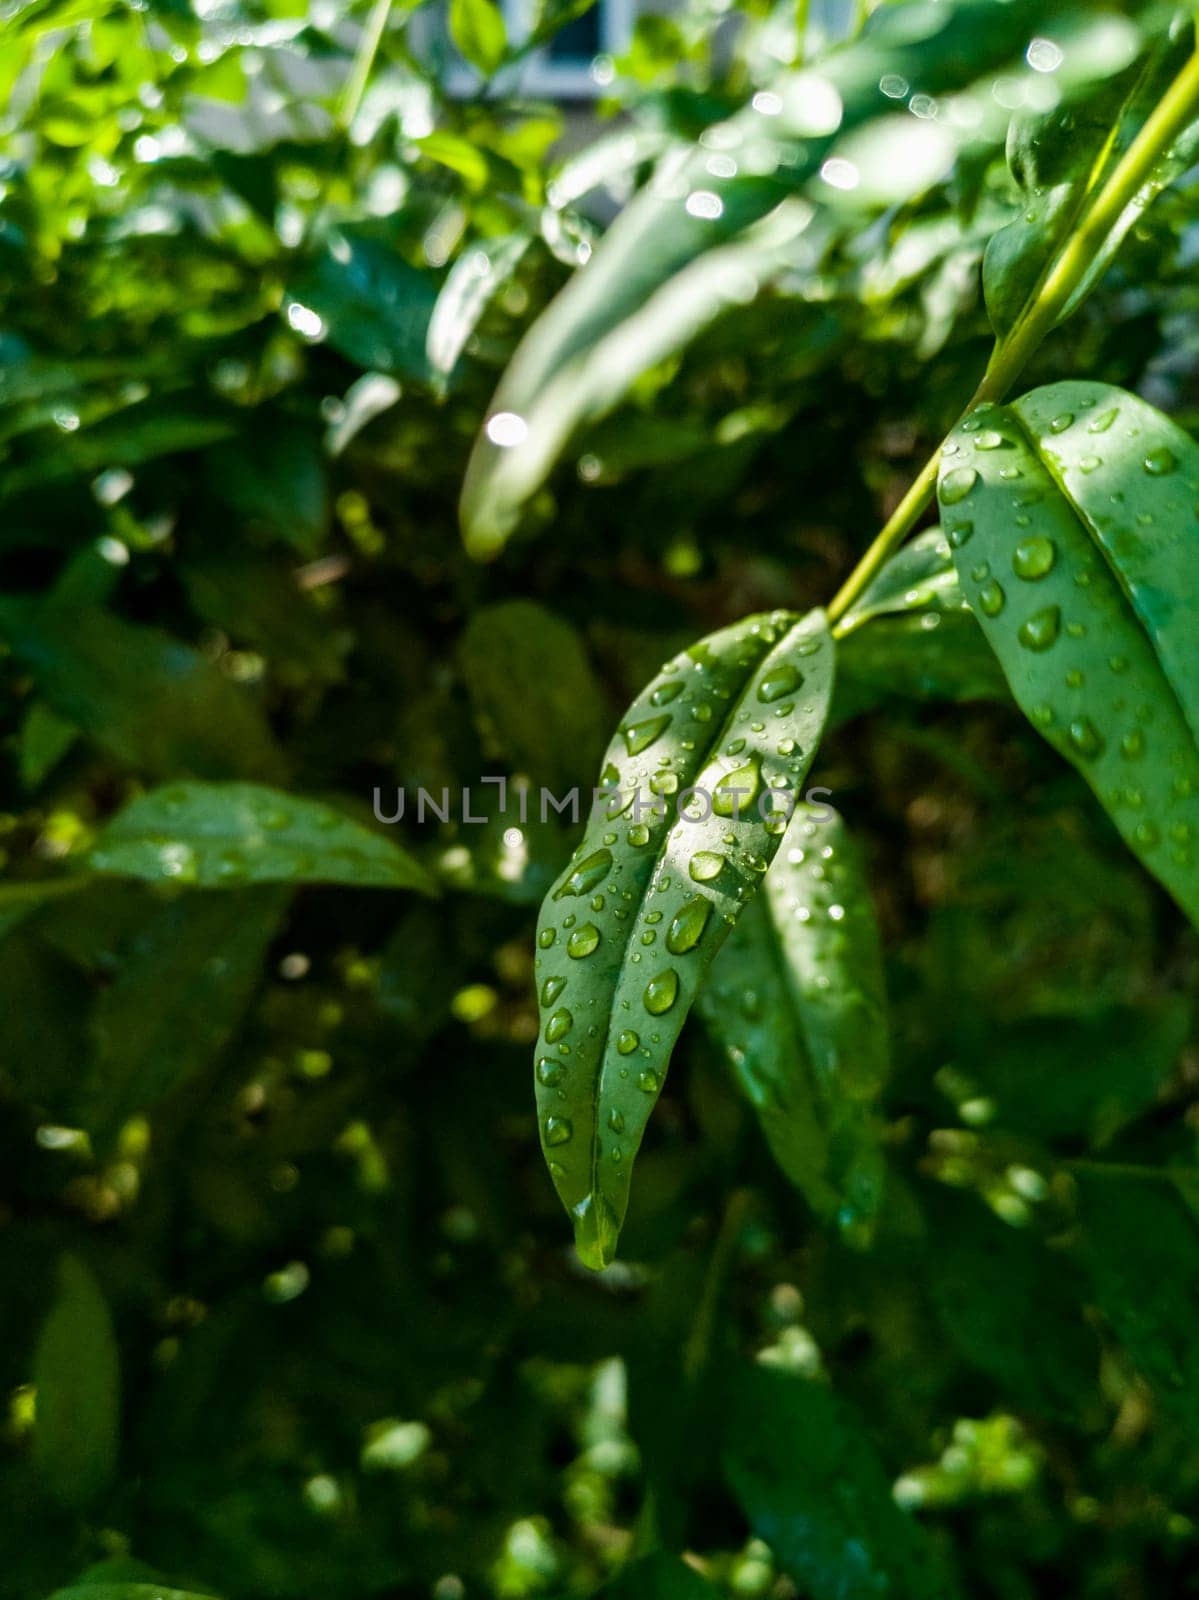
628 932
1072 517
224 835
796 999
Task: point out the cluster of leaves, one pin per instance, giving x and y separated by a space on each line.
903 1303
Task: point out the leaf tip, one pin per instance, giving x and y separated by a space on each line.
597 1229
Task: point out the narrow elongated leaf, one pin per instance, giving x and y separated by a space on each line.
224 835
796 998
77 1377
472 284
1072 517
920 577
622 313
629 931
812 1486
182 986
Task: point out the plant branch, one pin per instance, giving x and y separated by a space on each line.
1011 355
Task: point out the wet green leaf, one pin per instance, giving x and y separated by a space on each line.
224 835
647 900
371 304
796 999
1059 159
76 1434
1076 510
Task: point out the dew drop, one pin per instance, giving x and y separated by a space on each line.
661 992
1041 629
1104 420
778 683
627 1042
551 989
638 834
1086 738
558 1130
550 1072
736 791
616 1120
991 599
1133 744
988 439
957 484
665 693
588 875
959 532
705 865
583 941
687 927
1060 423
558 1026
649 1081
546 937
1158 463
638 736
1034 557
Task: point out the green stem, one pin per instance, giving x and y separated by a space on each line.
364 61
1011 354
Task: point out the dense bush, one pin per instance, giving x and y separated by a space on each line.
317 489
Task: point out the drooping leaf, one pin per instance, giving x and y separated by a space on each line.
477 28
473 282
810 1482
181 987
535 695
627 310
76 1374
796 999
142 696
224 835
1072 517
1060 158
636 918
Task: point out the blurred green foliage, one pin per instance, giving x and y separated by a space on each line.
289 1303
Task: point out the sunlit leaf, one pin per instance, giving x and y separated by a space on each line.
1071 515
721 739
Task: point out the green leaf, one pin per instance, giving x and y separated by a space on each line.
473 282
812 1486
76 1374
1071 514
1060 158
637 916
934 656
796 999
224 835
477 28
1139 1243
536 699
148 700
373 306
182 985
919 577
686 245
